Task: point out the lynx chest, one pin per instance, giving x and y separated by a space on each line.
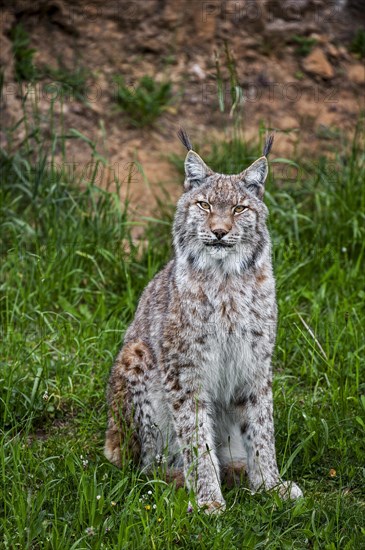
231 325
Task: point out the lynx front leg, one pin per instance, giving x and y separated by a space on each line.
257 428
194 431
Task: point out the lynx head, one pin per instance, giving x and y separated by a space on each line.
220 221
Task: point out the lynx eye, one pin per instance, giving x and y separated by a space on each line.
239 209
204 205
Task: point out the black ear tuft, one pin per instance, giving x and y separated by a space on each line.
184 138
269 140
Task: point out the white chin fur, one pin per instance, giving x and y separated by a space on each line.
218 253
227 260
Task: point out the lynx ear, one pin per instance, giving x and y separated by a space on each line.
196 170
255 175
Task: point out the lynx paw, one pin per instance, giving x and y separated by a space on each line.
213 507
288 490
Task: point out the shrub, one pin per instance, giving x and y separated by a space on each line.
23 55
357 45
145 102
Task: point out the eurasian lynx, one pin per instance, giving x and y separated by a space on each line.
193 381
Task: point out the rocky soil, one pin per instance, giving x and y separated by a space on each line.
309 97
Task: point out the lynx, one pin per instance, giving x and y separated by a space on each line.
193 380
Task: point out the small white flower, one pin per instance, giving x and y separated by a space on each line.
160 459
45 396
149 492
344 249
85 463
98 497
154 506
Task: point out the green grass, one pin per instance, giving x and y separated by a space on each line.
235 96
61 81
304 44
357 45
70 278
72 84
145 102
23 54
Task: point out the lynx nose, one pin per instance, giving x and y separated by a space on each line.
219 233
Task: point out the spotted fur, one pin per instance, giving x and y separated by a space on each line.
193 380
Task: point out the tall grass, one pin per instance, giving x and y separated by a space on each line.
70 278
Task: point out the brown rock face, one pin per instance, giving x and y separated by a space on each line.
317 64
356 8
177 40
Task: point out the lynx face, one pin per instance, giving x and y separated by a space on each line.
220 220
